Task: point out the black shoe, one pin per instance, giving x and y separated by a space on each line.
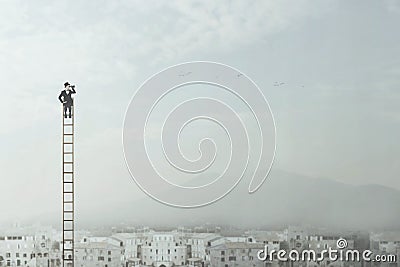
70 116
65 116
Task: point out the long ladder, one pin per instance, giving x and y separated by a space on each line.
68 190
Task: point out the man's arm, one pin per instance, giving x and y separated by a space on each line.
60 97
73 90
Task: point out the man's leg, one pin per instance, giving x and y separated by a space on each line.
69 111
65 111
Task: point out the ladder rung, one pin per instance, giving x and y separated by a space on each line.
68 230
68 152
68 202
66 182
68 134
68 143
68 220
68 124
68 162
68 240
68 211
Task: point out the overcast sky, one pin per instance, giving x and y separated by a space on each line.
337 114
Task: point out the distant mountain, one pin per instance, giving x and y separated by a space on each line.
284 199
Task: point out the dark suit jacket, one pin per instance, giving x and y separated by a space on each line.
64 97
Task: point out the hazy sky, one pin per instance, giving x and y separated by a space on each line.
337 115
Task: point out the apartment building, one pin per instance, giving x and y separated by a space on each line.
236 254
98 253
21 247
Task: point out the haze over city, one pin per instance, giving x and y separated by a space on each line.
330 74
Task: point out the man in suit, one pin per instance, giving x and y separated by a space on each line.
66 99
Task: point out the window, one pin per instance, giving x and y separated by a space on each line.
100 258
222 252
222 259
232 258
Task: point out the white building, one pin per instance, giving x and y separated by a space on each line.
236 254
98 252
29 246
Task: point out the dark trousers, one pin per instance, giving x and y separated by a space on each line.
67 108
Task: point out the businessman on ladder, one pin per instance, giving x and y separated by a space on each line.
66 99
